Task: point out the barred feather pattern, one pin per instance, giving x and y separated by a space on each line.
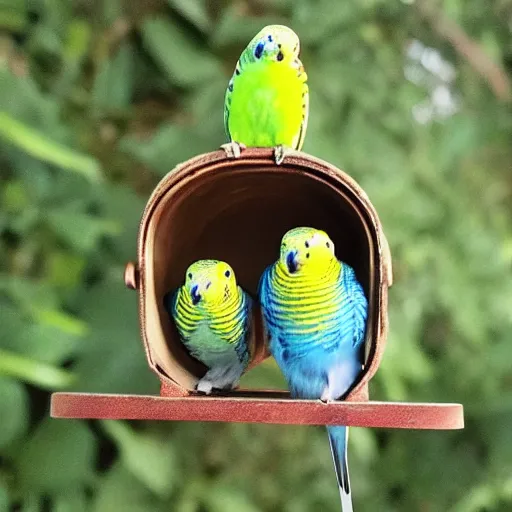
327 312
316 324
228 322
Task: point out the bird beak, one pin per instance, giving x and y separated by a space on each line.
195 295
196 292
291 262
271 46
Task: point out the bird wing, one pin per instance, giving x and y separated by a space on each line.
265 293
170 300
305 105
245 58
242 344
354 312
227 106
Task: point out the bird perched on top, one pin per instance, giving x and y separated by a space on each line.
213 317
267 99
315 312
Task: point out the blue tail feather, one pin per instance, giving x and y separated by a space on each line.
338 437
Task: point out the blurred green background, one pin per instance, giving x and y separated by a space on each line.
100 98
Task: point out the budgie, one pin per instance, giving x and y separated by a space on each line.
213 318
267 99
315 312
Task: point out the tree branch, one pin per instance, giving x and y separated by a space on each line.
467 48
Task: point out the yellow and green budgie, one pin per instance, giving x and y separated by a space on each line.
213 317
267 99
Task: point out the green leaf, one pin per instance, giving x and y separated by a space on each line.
229 499
112 11
74 51
80 230
28 293
233 28
59 455
37 302
112 353
13 17
65 269
15 198
44 40
125 208
181 59
35 372
45 343
77 40
44 148
31 502
113 85
64 322
22 99
4 498
319 20
121 490
195 11
73 500
15 413
151 460
167 148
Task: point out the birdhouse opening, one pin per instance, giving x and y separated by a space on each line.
237 211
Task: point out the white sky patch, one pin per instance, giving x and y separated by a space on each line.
426 68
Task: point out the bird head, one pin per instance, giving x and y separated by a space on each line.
275 43
306 250
209 282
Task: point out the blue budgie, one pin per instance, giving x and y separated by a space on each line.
315 312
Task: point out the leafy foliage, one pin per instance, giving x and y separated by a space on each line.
98 100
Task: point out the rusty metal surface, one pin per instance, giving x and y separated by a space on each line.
260 409
131 276
207 206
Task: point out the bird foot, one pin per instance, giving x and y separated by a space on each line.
204 386
233 149
281 152
326 398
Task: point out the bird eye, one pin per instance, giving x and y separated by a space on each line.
258 51
328 245
189 275
227 273
306 244
270 38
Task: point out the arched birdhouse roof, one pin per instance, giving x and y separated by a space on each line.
237 210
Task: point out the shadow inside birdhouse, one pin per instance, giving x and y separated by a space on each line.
239 214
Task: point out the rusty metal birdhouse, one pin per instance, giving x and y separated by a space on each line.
237 210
